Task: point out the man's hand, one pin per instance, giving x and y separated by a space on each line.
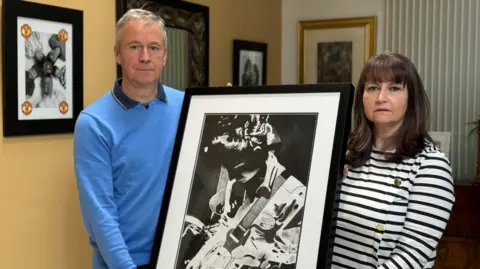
229 84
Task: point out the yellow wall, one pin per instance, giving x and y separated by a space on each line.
40 225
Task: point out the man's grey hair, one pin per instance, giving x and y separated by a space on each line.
142 15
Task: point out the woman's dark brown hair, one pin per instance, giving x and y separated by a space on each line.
411 136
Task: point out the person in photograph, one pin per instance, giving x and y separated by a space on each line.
247 160
247 71
251 74
45 75
123 144
255 76
51 96
396 196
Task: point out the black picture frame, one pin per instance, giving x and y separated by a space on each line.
27 110
189 172
192 17
249 53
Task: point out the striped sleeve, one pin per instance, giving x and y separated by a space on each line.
429 207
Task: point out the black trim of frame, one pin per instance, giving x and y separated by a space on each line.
342 131
11 10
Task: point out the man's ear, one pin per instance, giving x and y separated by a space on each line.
116 53
165 58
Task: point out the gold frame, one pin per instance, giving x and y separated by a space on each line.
369 23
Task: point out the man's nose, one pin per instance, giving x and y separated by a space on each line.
145 56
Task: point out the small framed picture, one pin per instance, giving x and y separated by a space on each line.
42 68
253 177
442 141
249 63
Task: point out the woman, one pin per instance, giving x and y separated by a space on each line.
397 193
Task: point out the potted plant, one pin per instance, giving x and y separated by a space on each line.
476 129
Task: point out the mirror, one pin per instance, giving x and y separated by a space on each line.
187 26
176 72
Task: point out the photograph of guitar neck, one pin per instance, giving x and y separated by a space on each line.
246 201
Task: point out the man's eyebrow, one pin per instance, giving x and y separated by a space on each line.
132 42
155 43
150 43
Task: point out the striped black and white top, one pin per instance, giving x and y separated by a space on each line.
392 215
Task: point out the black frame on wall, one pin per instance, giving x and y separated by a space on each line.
253 46
13 105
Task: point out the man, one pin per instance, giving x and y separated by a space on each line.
123 145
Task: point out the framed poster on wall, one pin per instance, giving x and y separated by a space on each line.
334 50
252 186
42 68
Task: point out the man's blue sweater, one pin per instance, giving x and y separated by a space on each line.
122 152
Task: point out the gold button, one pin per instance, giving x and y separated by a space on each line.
380 227
398 181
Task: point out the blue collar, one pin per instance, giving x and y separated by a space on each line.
126 102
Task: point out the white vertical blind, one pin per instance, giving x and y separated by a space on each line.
442 38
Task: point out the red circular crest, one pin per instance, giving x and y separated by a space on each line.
26 31
27 108
63 35
63 107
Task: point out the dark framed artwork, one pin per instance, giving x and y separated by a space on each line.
334 63
42 68
249 63
252 186
188 39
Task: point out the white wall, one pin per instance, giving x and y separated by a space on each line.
296 10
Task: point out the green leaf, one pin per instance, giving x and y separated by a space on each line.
476 127
472 131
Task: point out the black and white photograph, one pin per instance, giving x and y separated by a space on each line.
334 61
46 65
250 185
43 74
249 60
251 63
245 205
